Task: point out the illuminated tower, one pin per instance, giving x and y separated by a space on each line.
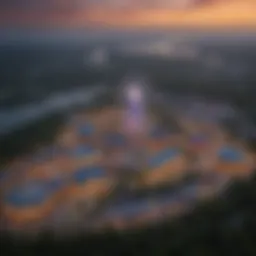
135 108
135 112
135 124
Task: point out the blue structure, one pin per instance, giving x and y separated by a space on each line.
129 209
31 194
89 173
82 151
86 129
231 154
115 140
163 157
56 184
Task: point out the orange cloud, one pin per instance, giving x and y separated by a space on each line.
225 13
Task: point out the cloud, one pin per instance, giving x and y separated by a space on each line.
41 5
37 12
78 4
128 13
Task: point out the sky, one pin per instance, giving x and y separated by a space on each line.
128 13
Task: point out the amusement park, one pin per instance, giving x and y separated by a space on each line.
140 159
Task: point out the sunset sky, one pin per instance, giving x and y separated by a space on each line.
128 13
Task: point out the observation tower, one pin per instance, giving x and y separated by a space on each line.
134 125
